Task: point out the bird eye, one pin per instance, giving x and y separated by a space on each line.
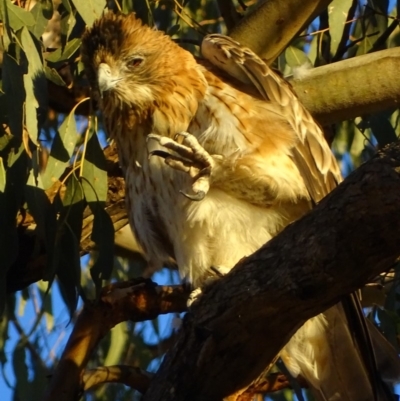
135 62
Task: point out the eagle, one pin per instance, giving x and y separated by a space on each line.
219 155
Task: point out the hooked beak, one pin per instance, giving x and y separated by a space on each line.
105 79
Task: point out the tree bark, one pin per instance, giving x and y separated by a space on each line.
241 322
135 300
273 25
351 88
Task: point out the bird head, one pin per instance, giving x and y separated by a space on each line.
127 62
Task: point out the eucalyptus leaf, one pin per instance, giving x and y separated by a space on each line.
35 85
41 21
3 178
53 76
13 86
63 146
118 343
65 54
103 236
21 372
380 127
296 57
90 10
47 8
94 172
10 202
7 34
4 326
68 21
18 17
44 213
338 11
173 30
67 257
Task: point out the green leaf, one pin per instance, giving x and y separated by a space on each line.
2 175
44 213
10 202
95 186
381 128
3 338
119 340
13 86
369 26
94 172
103 236
296 57
41 21
7 34
63 146
68 20
21 372
173 30
389 321
35 85
53 76
89 10
47 8
18 17
67 257
47 306
61 55
337 11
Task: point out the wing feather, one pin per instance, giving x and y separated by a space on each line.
311 153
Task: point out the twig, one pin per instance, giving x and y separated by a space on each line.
135 378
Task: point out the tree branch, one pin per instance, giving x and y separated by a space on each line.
136 300
270 28
135 378
350 237
351 88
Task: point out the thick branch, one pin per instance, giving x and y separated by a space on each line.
351 88
236 329
270 28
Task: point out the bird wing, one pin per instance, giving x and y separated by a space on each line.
311 154
320 172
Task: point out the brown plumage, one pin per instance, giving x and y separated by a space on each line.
254 160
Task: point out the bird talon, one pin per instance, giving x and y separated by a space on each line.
199 196
153 136
180 134
159 153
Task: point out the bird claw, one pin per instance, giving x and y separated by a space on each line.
190 157
197 197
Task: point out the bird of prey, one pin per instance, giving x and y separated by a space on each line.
219 156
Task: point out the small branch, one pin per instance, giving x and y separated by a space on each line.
135 378
135 300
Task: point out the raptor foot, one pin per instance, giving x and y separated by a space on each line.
189 157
